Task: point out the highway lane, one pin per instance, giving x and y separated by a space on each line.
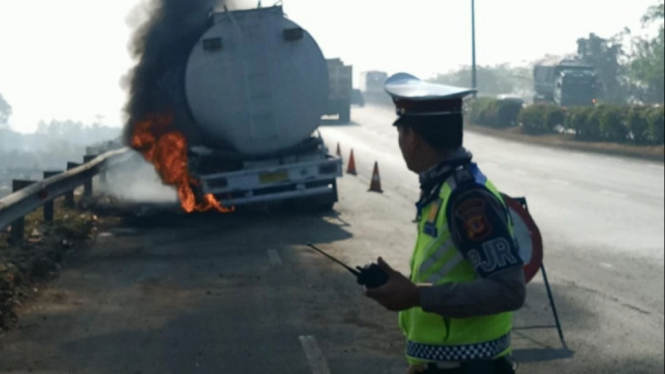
602 219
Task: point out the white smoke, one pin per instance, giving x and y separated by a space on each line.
136 181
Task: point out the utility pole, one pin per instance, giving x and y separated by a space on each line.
474 68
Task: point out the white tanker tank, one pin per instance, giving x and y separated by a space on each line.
257 83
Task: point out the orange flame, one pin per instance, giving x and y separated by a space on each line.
166 149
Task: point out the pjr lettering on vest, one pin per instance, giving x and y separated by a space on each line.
497 255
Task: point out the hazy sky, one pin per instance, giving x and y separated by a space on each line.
64 58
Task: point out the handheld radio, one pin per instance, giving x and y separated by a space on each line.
370 276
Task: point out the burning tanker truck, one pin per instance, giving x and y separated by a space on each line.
255 86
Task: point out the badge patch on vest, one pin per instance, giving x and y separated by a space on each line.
430 225
476 223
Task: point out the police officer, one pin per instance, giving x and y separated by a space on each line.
466 273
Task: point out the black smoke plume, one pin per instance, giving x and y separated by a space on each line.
162 46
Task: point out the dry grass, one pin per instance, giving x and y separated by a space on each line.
41 255
655 153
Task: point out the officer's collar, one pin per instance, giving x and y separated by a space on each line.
440 172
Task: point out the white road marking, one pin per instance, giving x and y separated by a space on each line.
273 255
657 167
490 164
614 194
561 182
606 265
314 355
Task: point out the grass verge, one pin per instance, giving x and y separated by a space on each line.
23 269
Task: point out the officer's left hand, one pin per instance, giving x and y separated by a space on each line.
398 294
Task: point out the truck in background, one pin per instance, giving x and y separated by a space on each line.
341 88
372 86
566 82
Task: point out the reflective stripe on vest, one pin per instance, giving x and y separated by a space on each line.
471 352
437 260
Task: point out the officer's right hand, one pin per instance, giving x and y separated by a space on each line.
398 294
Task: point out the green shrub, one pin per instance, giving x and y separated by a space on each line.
638 124
477 110
476 107
530 118
656 120
509 112
592 127
495 113
612 123
489 114
585 121
541 118
577 119
554 116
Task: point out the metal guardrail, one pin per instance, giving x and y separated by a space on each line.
28 196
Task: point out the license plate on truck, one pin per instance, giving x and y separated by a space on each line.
274 177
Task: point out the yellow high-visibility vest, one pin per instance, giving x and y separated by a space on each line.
437 260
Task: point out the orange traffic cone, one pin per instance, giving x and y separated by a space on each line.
339 151
375 186
352 165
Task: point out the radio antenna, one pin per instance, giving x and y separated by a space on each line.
347 267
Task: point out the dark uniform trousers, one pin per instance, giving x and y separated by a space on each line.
500 366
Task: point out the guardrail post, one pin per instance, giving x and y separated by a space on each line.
87 186
69 196
104 177
49 206
18 226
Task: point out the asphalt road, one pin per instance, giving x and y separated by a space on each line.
170 293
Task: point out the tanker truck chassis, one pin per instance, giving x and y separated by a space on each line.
308 179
